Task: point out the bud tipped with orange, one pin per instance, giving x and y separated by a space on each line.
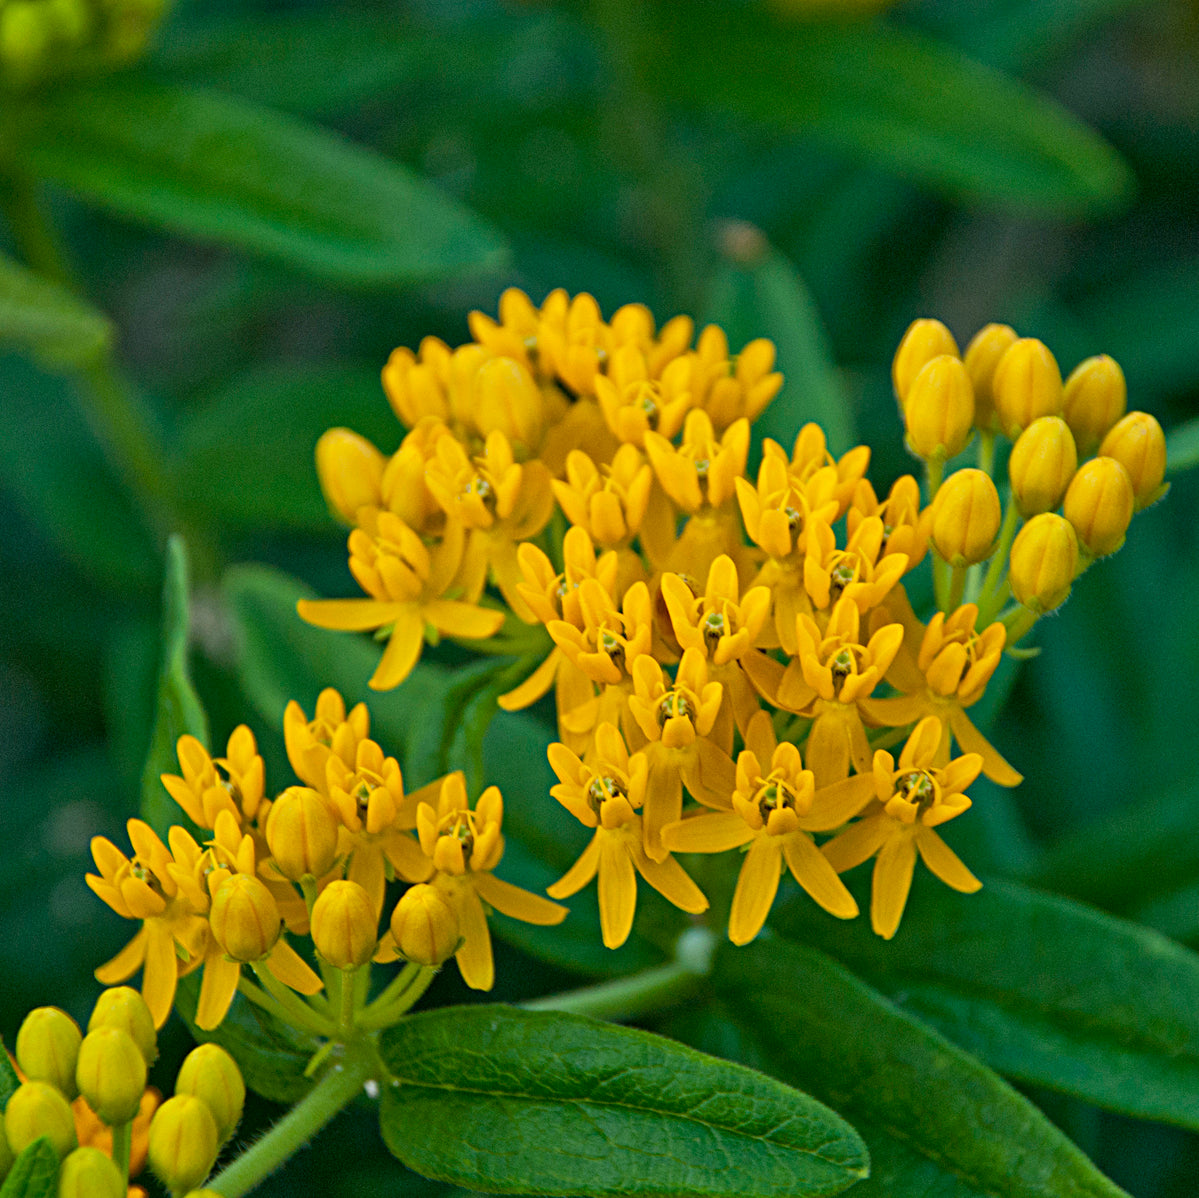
1041 465
48 1047
939 409
1027 384
924 340
124 1007
244 918
1094 399
350 470
38 1109
301 832
111 1074
1139 445
90 1173
1043 563
424 926
966 518
1099 503
183 1142
983 353
211 1074
344 925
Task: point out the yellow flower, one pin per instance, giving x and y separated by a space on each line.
910 801
330 732
232 783
982 356
864 571
731 390
905 526
924 340
604 796
404 491
635 402
608 501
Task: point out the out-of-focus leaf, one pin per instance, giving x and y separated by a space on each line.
9 1081
529 1102
1042 989
130 686
209 166
936 1120
34 1174
179 709
1182 447
44 319
896 99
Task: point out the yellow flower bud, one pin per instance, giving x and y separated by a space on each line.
48 1047
345 928
424 926
966 517
211 1074
183 1142
1043 562
939 409
111 1074
507 399
124 1007
1139 445
38 1109
350 470
90 1173
1099 503
244 918
1041 465
1027 384
925 339
1094 399
301 832
983 353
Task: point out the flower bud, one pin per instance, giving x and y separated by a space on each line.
1094 398
1099 503
925 339
38 1109
939 409
1041 465
986 347
1043 563
350 470
48 1047
211 1074
111 1074
345 927
507 398
90 1173
966 517
1139 445
301 832
124 1007
424 926
244 918
183 1142
1027 384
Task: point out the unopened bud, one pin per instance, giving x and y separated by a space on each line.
1043 563
350 470
48 1047
244 918
507 399
345 927
1099 503
924 340
124 1007
183 1142
38 1109
111 1074
1139 445
1094 398
1027 384
983 353
424 926
1041 465
966 517
939 409
301 832
90 1173
211 1074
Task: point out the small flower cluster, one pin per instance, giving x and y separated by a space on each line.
87 1096
746 642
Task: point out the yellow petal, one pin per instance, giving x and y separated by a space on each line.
671 881
581 872
533 687
217 989
348 615
833 805
162 971
892 881
811 869
858 843
517 903
125 963
944 862
617 890
972 741
291 969
462 619
663 804
402 652
474 957
715 832
757 885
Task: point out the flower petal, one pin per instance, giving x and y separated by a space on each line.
217 989
671 881
474 958
455 618
712 832
811 869
126 963
291 969
617 889
944 862
402 652
348 615
757 885
892 881
519 904
971 740
581 872
859 842
162 971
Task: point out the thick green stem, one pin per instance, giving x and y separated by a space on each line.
122 1140
336 1089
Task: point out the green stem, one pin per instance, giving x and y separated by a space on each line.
934 474
991 598
345 1018
122 1140
1019 623
397 1001
986 451
295 1009
336 1089
957 587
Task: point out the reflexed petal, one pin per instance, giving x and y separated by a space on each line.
671 881
892 881
713 778
519 904
859 842
716 832
162 971
126 963
944 862
474 957
107 856
366 868
617 890
402 652
407 858
217 989
581 872
663 804
833 805
811 869
466 620
348 615
971 740
757 885
533 687
291 969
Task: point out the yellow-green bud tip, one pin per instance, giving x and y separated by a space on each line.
124 1007
211 1074
345 926
38 1109
111 1074
244 918
183 1142
90 1173
48 1047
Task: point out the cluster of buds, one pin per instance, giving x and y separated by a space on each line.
86 1095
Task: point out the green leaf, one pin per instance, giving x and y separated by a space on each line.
936 1120
895 99
46 320
179 709
9 1081
525 1102
34 1173
219 169
1043 990
1182 447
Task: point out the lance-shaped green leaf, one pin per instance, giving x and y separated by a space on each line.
46 320
523 1102
1044 990
1182 447
220 169
936 1119
179 709
9 1081
34 1174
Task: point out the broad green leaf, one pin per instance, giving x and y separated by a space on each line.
895 99
34 1174
44 319
9 1081
220 169
936 1120
179 709
1182 447
1043 990
527 1102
